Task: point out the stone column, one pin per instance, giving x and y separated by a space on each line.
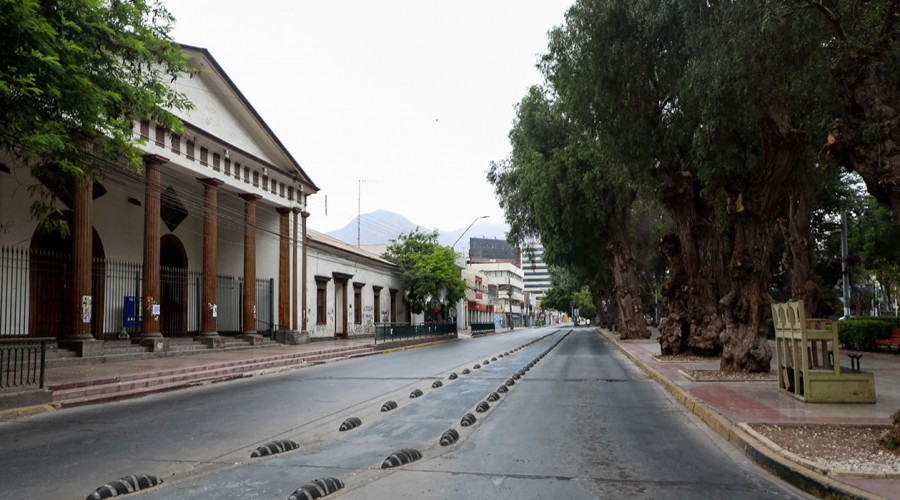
249 295
82 259
294 272
209 306
151 287
284 269
304 214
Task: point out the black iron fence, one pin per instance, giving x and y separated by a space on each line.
482 327
390 332
22 362
34 301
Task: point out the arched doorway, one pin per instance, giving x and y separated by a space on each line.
173 286
49 282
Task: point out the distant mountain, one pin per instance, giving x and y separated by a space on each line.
381 226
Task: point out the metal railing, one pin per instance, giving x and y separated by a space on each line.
482 327
33 287
22 362
392 332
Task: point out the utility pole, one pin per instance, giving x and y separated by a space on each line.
359 209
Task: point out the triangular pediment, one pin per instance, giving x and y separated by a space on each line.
222 111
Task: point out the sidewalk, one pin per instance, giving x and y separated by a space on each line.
105 381
724 406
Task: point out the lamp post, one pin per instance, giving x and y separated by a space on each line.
453 246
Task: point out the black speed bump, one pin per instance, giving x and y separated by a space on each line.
436 384
467 420
485 362
125 485
449 437
401 457
493 397
477 366
510 382
494 358
482 407
274 448
416 393
453 376
466 371
317 488
502 388
350 423
389 405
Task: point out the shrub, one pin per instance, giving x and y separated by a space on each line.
859 334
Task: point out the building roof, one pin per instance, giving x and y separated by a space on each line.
202 59
323 240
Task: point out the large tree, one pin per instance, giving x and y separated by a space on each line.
752 77
616 67
557 186
76 74
428 271
860 38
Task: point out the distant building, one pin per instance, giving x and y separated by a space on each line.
483 250
537 277
504 288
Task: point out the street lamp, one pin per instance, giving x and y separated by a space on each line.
453 246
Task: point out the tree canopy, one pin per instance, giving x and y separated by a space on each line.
76 74
428 271
715 113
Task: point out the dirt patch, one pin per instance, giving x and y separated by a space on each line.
840 449
685 358
719 376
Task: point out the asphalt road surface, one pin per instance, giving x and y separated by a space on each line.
582 422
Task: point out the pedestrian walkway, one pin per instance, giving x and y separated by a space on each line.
724 406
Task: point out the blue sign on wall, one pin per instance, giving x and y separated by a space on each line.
131 316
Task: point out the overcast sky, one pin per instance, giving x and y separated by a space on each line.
416 97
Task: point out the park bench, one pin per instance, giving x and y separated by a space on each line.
807 353
893 340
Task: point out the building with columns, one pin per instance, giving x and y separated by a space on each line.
168 251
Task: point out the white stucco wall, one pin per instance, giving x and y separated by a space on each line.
322 262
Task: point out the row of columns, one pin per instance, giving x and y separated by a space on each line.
82 255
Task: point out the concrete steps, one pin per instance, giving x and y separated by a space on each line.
84 392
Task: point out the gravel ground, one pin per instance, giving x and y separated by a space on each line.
841 449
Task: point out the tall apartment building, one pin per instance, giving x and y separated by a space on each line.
537 277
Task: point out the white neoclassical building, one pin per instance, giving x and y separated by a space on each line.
205 241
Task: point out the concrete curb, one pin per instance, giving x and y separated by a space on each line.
772 459
414 346
26 411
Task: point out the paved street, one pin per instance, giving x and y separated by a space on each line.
583 423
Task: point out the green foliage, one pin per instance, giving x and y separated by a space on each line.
428 270
80 72
859 334
585 303
557 299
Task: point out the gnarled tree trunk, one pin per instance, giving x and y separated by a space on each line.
752 205
630 308
696 270
799 256
604 303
